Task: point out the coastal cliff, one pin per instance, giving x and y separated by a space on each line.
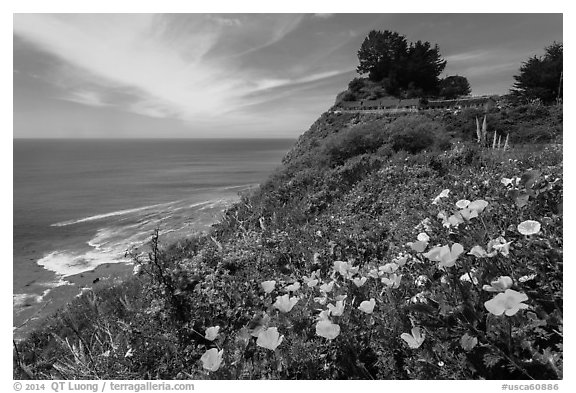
383 247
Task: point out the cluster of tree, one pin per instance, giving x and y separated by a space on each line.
408 70
540 78
399 67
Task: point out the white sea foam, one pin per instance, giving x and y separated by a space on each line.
137 238
111 242
199 204
246 186
102 238
54 284
40 298
20 299
83 291
115 239
217 203
65 263
131 211
111 214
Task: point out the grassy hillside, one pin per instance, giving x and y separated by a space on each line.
380 273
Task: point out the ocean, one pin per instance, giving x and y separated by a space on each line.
79 205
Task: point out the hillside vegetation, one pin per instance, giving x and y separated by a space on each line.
381 248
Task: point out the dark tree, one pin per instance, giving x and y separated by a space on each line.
424 66
401 69
454 86
540 77
356 85
382 54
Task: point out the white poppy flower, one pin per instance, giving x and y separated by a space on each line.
212 359
359 281
338 309
293 287
423 237
285 303
268 286
462 203
212 333
529 227
500 285
327 329
415 339
367 306
269 339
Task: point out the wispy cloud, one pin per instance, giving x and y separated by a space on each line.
162 64
85 97
226 21
487 69
478 64
469 56
323 16
266 84
282 90
255 33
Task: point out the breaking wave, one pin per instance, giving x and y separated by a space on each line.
112 214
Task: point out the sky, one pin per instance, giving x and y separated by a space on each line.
232 75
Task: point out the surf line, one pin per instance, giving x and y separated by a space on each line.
111 214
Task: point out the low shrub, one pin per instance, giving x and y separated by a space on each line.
360 139
417 133
540 133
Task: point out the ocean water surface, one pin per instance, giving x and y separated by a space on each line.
79 205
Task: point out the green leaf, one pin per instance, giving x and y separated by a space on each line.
529 178
421 307
468 342
522 199
491 359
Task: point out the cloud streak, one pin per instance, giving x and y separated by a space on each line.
85 97
164 64
486 69
469 56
